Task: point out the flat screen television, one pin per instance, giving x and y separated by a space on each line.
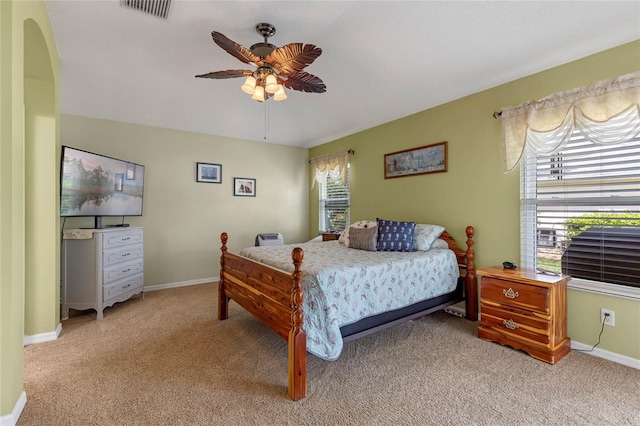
97 185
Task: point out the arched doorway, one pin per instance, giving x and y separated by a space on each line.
41 157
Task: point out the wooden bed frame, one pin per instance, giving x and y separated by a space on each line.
275 298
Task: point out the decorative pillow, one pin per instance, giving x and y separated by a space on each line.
395 236
438 244
344 237
424 236
363 238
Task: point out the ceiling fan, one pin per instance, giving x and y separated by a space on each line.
276 67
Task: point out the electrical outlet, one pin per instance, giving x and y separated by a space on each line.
608 317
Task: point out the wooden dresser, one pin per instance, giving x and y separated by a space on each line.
525 310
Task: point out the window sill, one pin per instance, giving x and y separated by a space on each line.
605 289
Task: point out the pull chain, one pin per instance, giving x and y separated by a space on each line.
265 120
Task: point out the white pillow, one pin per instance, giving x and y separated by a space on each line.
425 235
439 244
344 237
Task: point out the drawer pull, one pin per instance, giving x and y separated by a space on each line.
126 270
510 324
510 293
126 238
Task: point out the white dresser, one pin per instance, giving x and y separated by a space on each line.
101 267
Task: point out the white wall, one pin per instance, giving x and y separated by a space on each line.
182 218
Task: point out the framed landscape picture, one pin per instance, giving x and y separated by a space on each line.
208 173
416 161
244 187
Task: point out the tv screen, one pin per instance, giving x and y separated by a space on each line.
96 185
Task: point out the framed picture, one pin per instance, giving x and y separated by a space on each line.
244 187
416 161
208 173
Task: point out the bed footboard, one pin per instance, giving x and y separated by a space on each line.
275 298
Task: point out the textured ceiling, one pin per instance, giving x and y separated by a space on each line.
380 61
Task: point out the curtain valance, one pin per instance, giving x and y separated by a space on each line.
546 125
334 165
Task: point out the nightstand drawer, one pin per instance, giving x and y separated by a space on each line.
516 325
530 297
330 236
539 323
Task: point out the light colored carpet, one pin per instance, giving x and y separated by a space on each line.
166 360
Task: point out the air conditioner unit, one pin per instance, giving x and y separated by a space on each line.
273 239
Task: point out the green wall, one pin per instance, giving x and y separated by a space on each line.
475 190
29 273
183 219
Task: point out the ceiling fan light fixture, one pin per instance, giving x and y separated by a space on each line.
271 84
280 94
274 66
258 95
249 86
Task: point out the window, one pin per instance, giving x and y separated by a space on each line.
334 202
580 211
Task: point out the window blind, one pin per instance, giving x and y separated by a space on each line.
334 203
580 211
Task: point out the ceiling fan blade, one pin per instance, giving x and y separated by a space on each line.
235 49
293 57
304 82
226 74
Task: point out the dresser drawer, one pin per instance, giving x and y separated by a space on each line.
530 297
121 238
519 326
122 270
113 256
121 287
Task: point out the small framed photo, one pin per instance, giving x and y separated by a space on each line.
244 187
208 173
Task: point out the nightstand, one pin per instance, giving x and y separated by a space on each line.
525 310
330 236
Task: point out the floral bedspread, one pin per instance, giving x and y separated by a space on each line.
343 285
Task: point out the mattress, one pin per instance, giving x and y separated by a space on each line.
344 285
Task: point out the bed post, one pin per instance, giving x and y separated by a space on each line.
471 281
297 336
223 300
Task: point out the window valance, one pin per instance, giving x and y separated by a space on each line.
334 165
546 125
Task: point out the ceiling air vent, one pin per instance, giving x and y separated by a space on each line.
157 8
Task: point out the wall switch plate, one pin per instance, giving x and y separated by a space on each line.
608 320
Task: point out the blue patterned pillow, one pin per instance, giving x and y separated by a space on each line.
395 236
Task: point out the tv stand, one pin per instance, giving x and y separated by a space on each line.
101 267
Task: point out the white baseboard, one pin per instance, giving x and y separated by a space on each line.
611 356
12 419
181 284
42 337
